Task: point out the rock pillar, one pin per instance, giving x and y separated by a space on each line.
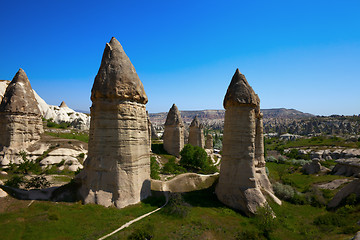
209 143
20 117
117 170
174 132
196 136
241 176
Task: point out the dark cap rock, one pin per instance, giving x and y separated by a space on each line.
174 117
196 123
240 92
117 78
63 104
19 96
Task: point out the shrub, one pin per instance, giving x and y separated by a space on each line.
195 158
26 166
176 206
15 181
144 233
265 220
154 168
37 182
248 234
172 168
271 159
284 192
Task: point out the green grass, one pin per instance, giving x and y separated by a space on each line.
292 175
84 137
48 220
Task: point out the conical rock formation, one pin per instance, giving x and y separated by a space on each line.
243 178
174 132
117 170
209 144
20 117
196 135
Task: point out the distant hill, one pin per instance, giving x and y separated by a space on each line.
217 116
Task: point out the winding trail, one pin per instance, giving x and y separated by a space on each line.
137 219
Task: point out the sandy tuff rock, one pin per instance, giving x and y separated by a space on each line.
174 132
20 117
209 142
243 178
312 168
196 136
351 188
117 170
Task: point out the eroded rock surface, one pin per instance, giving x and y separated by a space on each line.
196 135
20 117
243 178
117 170
174 132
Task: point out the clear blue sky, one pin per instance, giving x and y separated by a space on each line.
295 54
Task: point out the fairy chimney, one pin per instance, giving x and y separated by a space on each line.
174 132
209 142
196 135
243 179
117 170
20 117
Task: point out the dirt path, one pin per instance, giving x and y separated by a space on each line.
136 219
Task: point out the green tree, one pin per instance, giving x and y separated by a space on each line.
193 157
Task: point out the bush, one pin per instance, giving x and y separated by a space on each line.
284 192
37 182
15 181
172 168
176 206
144 233
154 168
265 220
195 158
248 234
26 166
271 159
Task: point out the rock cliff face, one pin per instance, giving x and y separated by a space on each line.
242 173
20 117
117 170
196 135
174 132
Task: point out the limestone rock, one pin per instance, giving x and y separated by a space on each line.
20 117
174 132
2 192
347 167
209 142
243 178
196 135
117 170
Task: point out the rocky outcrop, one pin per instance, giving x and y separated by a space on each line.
63 113
20 117
350 188
196 135
186 182
347 167
313 167
117 170
174 132
243 178
209 142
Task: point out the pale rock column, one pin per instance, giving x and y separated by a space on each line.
174 132
239 185
20 117
196 136
117 170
